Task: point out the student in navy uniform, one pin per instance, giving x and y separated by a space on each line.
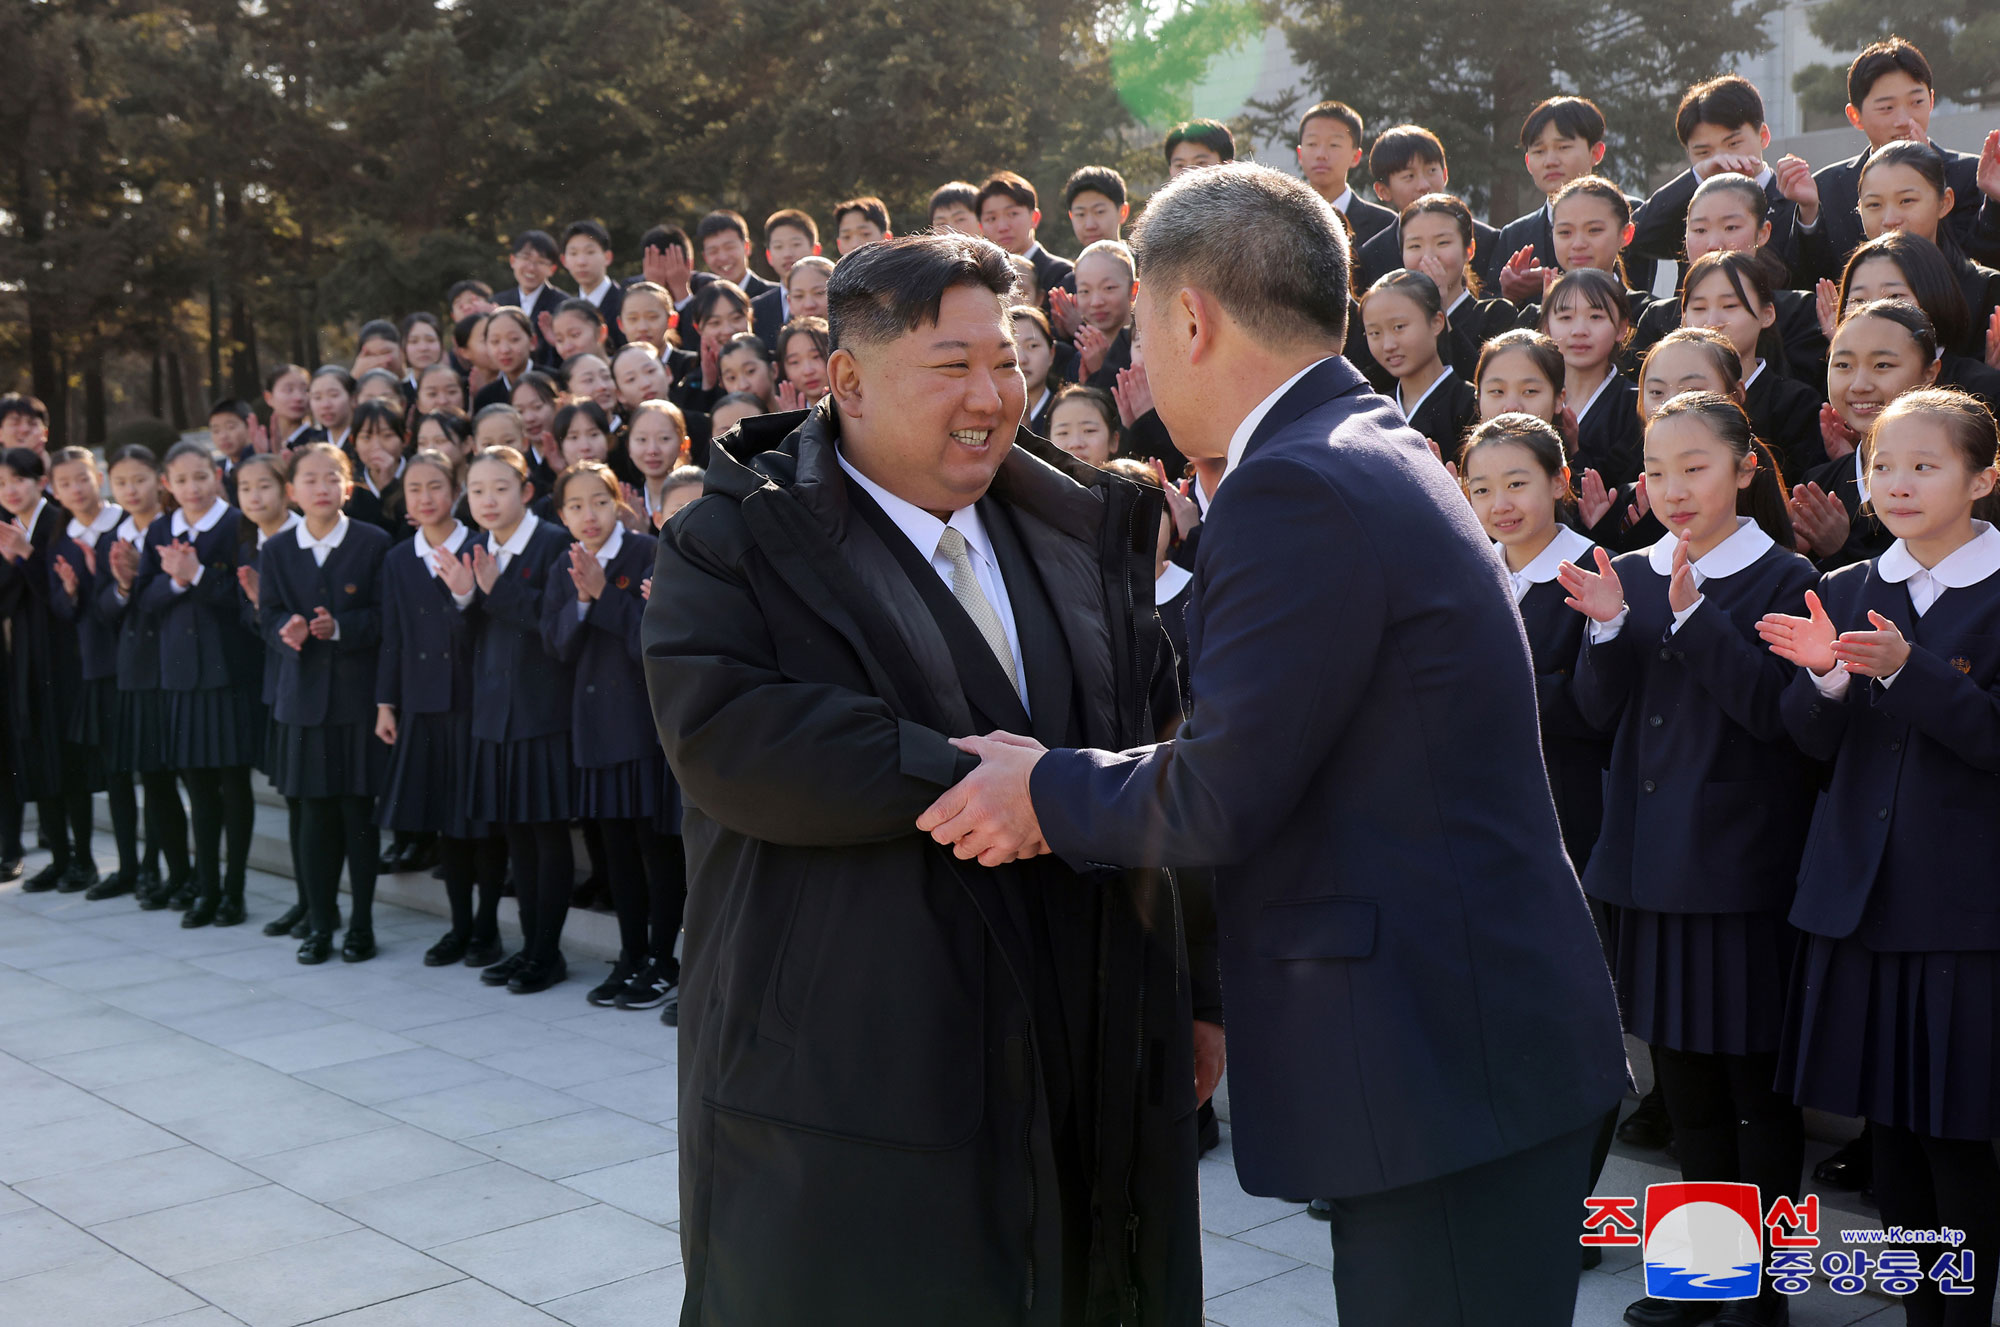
1102 309
1035 344
332 396
288 396
377 499
1896 265
1731 293
1193 143
534 261
1593 222
45 676
1405 324
1561 140
1407 162
209 669
1706 801
424 344
138 741
723 237
320 605
1329 148
510 342
587 257
75 560
521 769
232 424
423 711
1585 314
789 235
1440 239
1895 1004
1009 211
1720 124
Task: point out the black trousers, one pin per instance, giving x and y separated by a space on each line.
1493 1245
1922 1183
544 871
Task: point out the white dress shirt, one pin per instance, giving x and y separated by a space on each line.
1727 558
1967 565
425 551
596 296
505 553
925 530
180 529
1567 546
369 479
1170 583
291 519
108 517
1239 441
1346 199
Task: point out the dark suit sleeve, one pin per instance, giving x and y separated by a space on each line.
1743 679
1816 723
1659 227
388 663
1945 705
1605 671
1283 663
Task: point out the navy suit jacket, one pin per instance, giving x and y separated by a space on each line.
1414 984
610 715
324 681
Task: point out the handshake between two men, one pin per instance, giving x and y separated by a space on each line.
989 815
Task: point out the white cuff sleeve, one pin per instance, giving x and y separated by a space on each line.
1832 684
1680 618
1890 680
463 600
1600 632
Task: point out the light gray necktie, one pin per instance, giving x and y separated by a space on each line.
965 589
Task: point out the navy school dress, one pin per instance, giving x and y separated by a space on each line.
138 739
1575 751
1610 437
1706 802
95 716
1895 998
324 713
253 555
621 772
45 671
521 771
210 667
425 671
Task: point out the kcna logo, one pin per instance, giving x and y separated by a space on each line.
1701 1240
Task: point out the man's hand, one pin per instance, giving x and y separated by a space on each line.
989 815
1209 1058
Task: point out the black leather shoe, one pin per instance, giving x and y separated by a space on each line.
158 897
532 977
499 974
202 912
1648 1126
111 886
484 953
609 991
1319 1209
283 923
11 867
359 946
184 895
422 854
1650 1312
446 951
78 878
318 947
230 912
1851 1168
145 880
44 880
391 860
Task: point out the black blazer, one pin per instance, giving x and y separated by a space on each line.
1467 331
202 644
767 317
518 690
425 663
1903 843
1971 374
1050 270
1445 415
1611 439
1118 356
1368 220
1575 752
1414 983
324 682
1536 231
610 307
138 631
44 668
1706 803
1382 254
96 639
611 719
498 392
1785 414
1822 251
1659 227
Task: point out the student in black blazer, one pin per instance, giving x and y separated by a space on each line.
1439 237
590 622
376 497
1406 333
320 606
1383 253
534 261
1730 293
521 768
510 343
1840 227
1892 1014
1720 124
1585 315
1706 802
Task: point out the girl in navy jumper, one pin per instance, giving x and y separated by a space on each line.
319 603
590 621
138 740
76 557
520 767
1895 1001
209 669
423 695
1706 802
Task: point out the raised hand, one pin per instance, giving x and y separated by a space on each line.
260 437
545 323
385 724
1063 313
89 558
455 572
322 625
1641 502
485 569
1595 594
1826 305
1682 592
247 578
587 572
1795 181
179 560
1834 434
124 564
668 267
1878 653
1805 641
67 575
1742 163
1593 500
1091 347
14 542
646 589
293 633
1521 278
1988 178
1433 267
1133 393
1819 519
789 397
1186 515
1993 340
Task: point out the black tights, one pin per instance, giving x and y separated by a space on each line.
124 822
1922 1183
166 824
219 805
470 863
647 872
544 871
66 824
332 829
1731 1125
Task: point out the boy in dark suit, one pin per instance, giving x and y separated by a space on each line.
955 206
469 297
1009 211
1721 126
789 235
1329 148
1408 162
1561 140
723 237
1095 198
1198 143
668 262
859 221
587 258
534 261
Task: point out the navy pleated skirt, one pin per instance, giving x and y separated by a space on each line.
94 718
527 782
428 771
1708 983
213 729
328 760
138 739
629 791
1905 1039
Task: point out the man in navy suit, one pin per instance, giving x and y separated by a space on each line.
1419 1011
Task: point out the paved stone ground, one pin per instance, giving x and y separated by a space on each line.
195 1130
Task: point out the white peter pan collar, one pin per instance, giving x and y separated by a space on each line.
1567 546
1726 559
1968 564
1170 582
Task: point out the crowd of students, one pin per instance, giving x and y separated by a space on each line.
407 590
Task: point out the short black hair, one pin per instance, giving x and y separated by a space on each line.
884 290
538 240
1573 117
1885 57
664 238
797 220
230 405
721 221
582 308
1729 102
479 288
712 294
1334 110
20 403
1095 180
956 194
461 333
1399 146
590 230
1009 185
1211 134
378 329
871 209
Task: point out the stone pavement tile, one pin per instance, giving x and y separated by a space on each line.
179 1239
570 1144
30 1096
240 1085
135 1062
136 1185
1227 1210
39 1001
652 1297
316 1048
277 957
68 947
489 1034
365 1162
206 1316
649 1187
1293 1299
1227 1265
460 1204
104 1291
339 983
477 1108
195 994
317 1118
66 1145
397 1075
565 1254
110 974
1300 1238
462 1303
652 1095
306 1282
37 1241
417 1007
634 1029
266 1016
570 1060
72 1033
12 1202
